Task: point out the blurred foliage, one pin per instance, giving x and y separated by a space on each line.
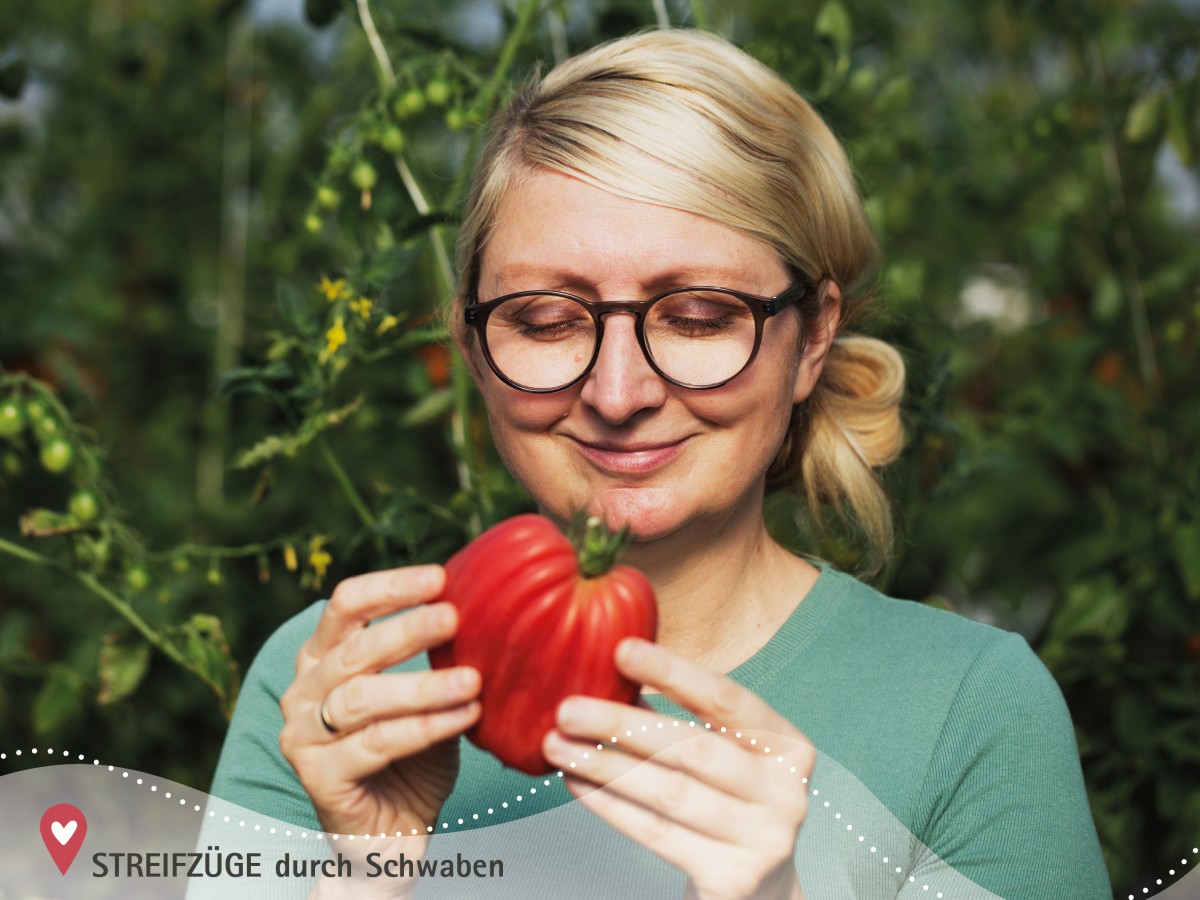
225 231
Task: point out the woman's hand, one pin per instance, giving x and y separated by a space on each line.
377 752
718 804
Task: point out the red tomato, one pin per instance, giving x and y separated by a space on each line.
539 630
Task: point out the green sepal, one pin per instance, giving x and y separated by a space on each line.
596 546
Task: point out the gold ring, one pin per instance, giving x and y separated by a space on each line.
329 726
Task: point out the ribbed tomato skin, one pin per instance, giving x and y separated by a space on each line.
538 631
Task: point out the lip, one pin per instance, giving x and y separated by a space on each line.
630 458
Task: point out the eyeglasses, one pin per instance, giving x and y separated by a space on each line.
694 337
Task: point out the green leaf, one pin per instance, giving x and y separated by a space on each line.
40 523
1185 545
833 24
1091 609
201 639
1179 125
59 700
291 444
122 668
1144 117
428 409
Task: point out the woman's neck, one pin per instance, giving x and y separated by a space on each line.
722 590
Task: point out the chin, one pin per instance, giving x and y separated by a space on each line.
650 513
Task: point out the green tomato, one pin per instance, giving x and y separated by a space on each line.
46 428
456 119
328 198
437 91
363 176
137 578
410 103
57 454
10 464
12 419
392 139
34 410
180 564
84 506
312 223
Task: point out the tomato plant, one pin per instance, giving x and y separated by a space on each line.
540 619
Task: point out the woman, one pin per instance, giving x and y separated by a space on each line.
641 171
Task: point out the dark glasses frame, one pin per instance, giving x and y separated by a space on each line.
476 315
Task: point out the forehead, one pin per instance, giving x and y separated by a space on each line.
553 230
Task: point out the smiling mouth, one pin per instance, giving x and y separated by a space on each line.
637 458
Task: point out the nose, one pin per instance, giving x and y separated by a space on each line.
622 383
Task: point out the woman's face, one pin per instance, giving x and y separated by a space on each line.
623 443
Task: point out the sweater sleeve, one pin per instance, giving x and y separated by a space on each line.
1005 804
252 771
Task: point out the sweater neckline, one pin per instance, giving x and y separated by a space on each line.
797 632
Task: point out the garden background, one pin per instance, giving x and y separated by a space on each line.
225 237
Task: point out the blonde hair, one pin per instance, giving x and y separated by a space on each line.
684 119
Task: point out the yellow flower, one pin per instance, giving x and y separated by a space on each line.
318 557
332 289
335 337
388 323
289 557
362 306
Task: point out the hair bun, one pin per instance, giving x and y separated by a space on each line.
861 389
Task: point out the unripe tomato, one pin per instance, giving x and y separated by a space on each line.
83 505
10 464
437 91
456 119
363 176
12 419
56 455
34 410
392 139
137 578
539 630
327 197
312 223
410 103
46 427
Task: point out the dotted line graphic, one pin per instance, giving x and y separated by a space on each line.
304 834
1158 881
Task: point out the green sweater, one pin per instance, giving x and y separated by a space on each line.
944 745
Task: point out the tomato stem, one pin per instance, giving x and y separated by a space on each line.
596 546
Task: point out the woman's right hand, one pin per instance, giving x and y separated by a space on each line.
392 759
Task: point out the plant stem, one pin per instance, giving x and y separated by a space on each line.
118 604
700 14
491 89
364 513
387 73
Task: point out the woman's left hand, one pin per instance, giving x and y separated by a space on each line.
718 803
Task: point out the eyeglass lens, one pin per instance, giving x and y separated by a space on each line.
698 338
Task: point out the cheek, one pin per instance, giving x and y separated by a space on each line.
518 420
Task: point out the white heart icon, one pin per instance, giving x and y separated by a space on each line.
62 833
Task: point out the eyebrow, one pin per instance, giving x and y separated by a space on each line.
545 275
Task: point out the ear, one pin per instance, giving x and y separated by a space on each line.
819 341
464 340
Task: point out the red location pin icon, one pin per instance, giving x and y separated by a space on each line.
63 830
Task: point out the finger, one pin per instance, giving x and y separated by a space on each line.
370 698
671 840
383 644
736 763
716 699
669 792
358 600
360 754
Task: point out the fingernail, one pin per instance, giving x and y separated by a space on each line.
571 713
630 652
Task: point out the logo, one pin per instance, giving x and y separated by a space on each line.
63 830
